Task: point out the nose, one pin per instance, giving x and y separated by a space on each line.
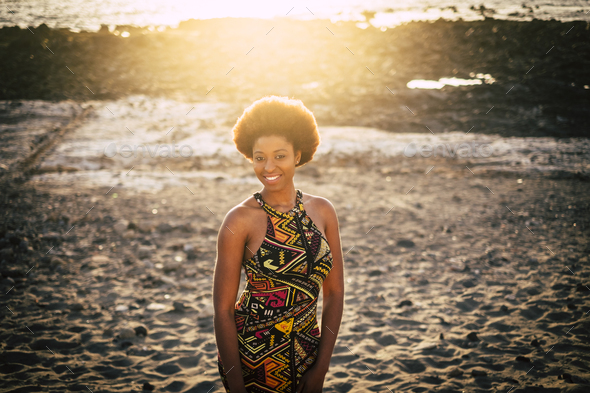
269 165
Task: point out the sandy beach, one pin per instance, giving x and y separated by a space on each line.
464 273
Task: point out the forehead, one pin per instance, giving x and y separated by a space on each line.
271 143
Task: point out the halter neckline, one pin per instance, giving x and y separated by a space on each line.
298 208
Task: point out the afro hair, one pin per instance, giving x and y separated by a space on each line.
281 116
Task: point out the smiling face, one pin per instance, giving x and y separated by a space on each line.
274 161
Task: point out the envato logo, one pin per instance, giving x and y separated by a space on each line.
167 151
463 150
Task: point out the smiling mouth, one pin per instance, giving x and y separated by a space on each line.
272 178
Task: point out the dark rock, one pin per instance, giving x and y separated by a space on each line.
405 303
405 243
478 373
164 228
535 343
14 239
503 308
455 373
442 336
11 271
126 344
191 254
523 359
567 377
374 273
148 386
473 336
468 283
140 331
77 307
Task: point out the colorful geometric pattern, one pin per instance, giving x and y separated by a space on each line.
278 333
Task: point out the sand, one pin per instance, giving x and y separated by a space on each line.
462 274
454 281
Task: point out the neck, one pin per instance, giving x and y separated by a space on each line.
284 198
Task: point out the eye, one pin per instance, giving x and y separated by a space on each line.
281 156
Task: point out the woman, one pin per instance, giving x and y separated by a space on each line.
289 245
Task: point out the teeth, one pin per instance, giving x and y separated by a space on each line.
272 178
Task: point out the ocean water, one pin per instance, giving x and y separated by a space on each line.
158 14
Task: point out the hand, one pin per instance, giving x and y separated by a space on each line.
312 381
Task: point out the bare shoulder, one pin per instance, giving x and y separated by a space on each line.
320 204
241 214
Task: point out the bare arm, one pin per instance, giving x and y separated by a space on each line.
230 245
333 291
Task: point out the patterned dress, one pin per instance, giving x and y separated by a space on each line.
278 333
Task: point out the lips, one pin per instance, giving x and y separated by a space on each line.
272 179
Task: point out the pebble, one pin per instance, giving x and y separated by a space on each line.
126 333
99 260
124 344
478 373
121 226
456 265
148 264
144 252
129 234
6 252
168 280
405 303
77 307
172 265
191 252
140 331
164 228
57 261
121 308
426 346
156 306
145 226
405 243
473 336
455 373
178 306
468 283
148 386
